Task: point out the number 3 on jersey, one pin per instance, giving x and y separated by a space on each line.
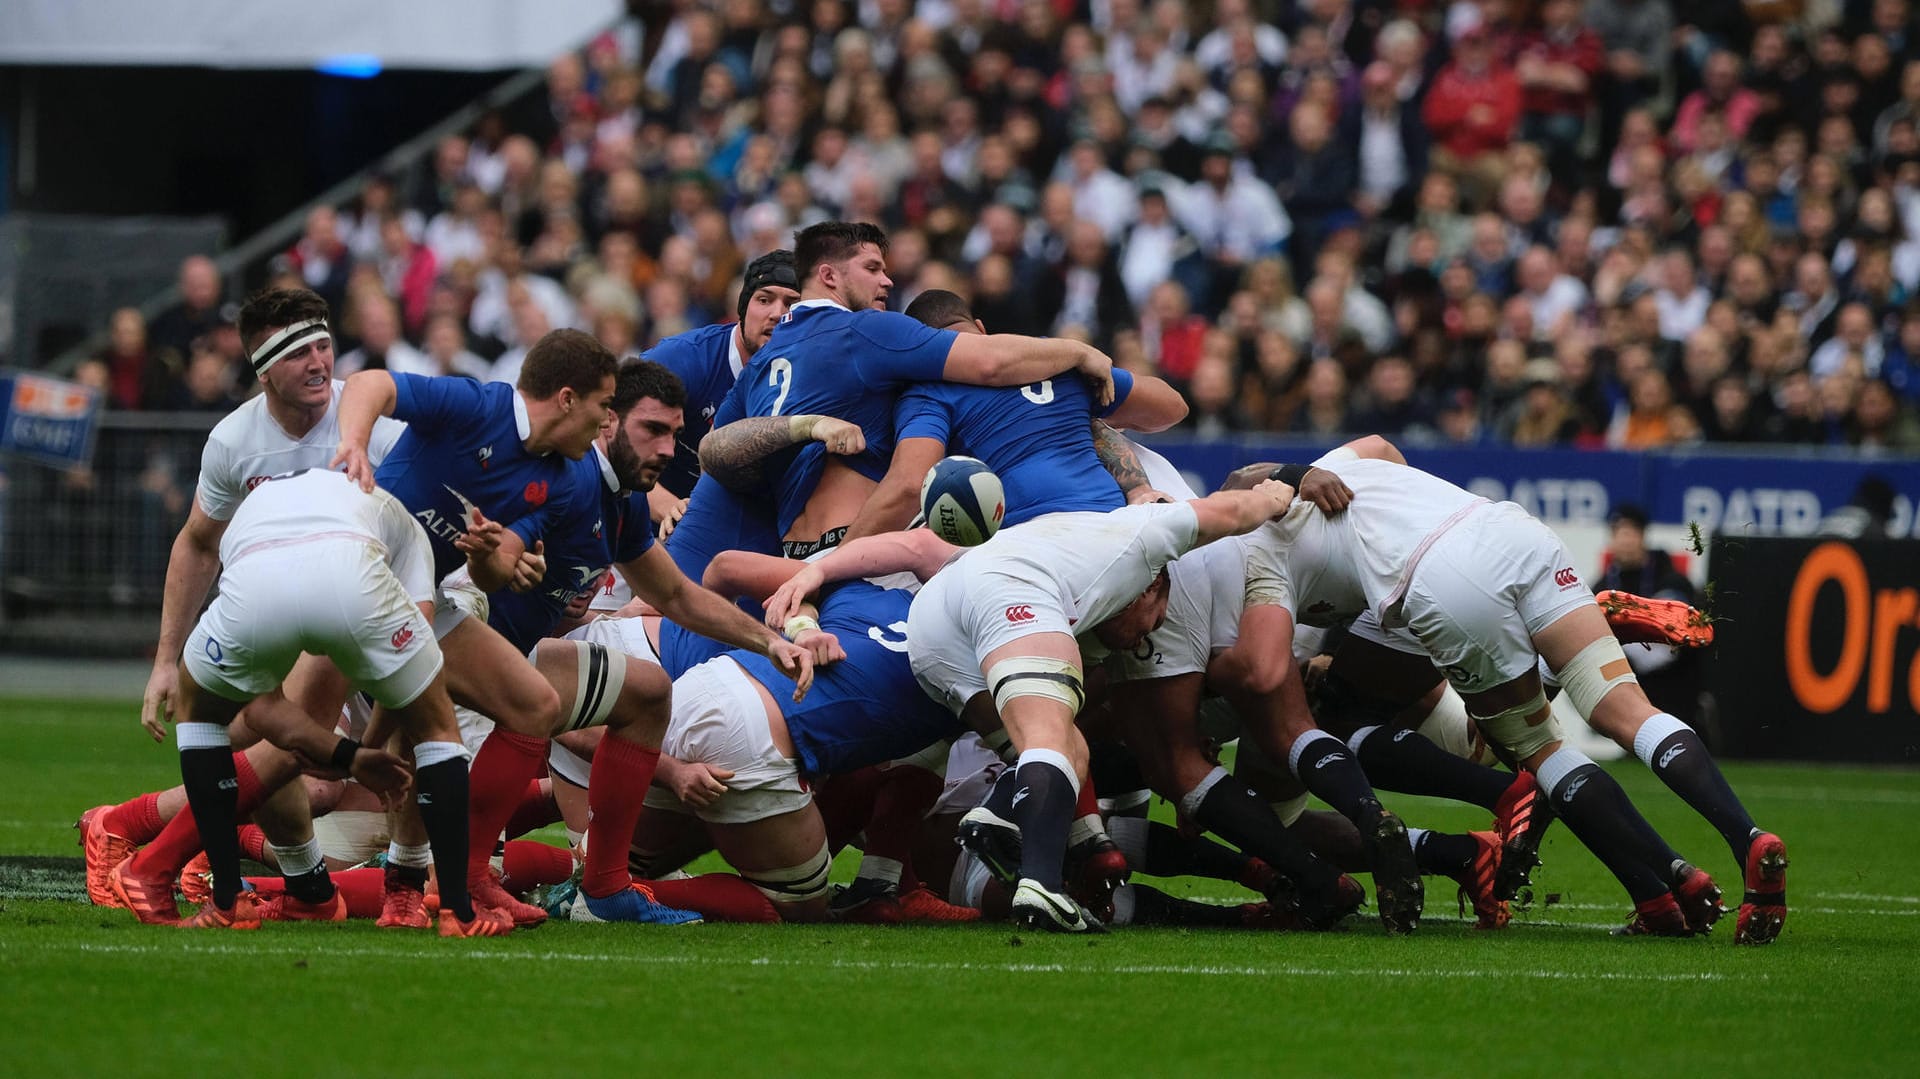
893 638
780 373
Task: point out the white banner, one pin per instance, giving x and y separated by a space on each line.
476 35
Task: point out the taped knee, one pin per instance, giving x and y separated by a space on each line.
1593 672
1524 729
1036 676
1290 810
599 673
795 884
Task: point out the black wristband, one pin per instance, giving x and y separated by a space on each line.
1291 475
343 754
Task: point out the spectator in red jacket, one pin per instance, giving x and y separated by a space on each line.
1557 65
1472 110
408 269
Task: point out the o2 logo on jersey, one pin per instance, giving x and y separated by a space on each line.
893 638
536 493
1020 612
401 638
1566 578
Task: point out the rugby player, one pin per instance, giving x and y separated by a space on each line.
291 425
312 564
632 699
488 470
1489 592
840 353
998 638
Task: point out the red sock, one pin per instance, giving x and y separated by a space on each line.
138 820
718 897
253 843
179 841
536 810
1089 803
846 802
530 864
364 890
506 763
899 807
616 791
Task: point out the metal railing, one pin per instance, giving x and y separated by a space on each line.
83 553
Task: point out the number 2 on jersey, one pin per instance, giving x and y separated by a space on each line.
780 373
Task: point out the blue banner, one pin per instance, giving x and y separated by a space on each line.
1781 493
47 420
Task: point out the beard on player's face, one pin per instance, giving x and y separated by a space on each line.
634 472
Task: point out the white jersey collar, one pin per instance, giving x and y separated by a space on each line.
818 302
606 469
521 421
734 359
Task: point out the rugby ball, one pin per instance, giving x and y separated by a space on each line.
962 501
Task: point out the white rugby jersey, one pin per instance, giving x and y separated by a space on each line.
312 506
1326 570
1205 591
1093 564
248 446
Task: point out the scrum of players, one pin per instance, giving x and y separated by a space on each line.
693 603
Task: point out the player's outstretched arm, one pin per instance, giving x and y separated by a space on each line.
892 505
1011 359
655 578
369 395
1154 405
191 569
733 454
749 573
1234 513
917 551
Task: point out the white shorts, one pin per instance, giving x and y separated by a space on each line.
353 835
1367 627
455 600
960 617
628 636
972 770
720 719
333 599
1484 589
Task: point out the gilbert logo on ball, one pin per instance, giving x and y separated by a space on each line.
962 501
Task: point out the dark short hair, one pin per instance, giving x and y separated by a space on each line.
833 241
275 308
565 360
640 379
939 308
1630 513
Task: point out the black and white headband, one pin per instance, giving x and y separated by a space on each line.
284 342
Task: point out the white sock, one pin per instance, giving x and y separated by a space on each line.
413 857
875 867
1414 836
299 860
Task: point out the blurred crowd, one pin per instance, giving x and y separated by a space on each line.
1625 223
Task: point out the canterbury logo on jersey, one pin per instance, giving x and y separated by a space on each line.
1020 612
401 638
1566 578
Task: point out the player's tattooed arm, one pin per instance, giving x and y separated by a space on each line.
734 454
1118 458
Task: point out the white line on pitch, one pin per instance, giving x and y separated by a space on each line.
319 950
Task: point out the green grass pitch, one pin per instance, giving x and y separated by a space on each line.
89 992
